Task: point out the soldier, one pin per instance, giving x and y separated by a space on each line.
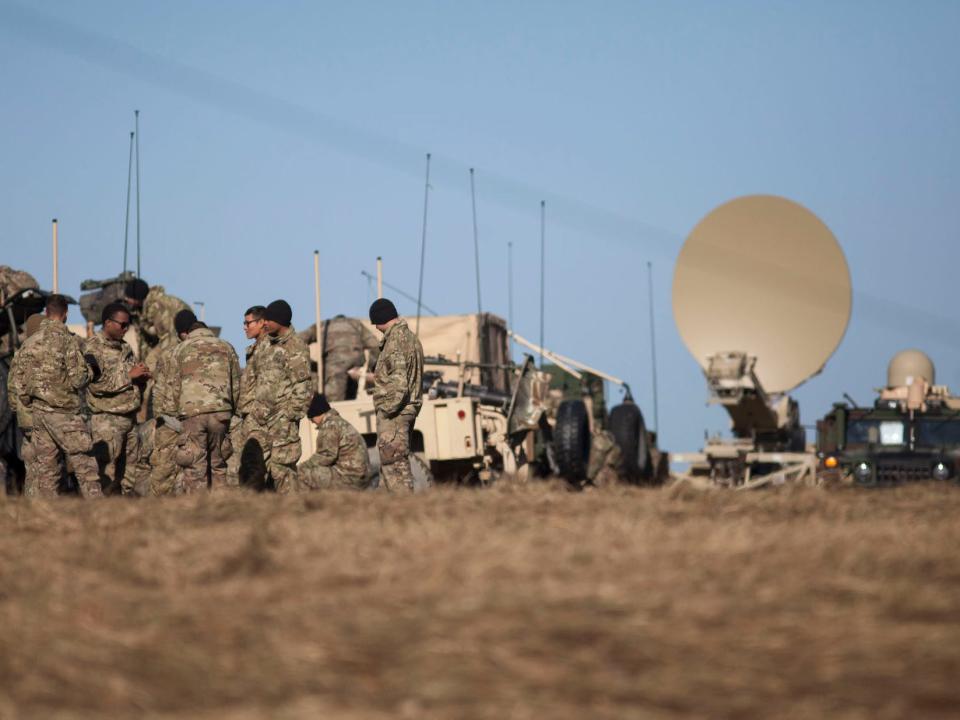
344 340
397 394
164 473
16 382
114 398
281 393
205 381
341 458
55 374
155 319
253 329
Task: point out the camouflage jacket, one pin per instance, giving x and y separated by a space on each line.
282 386
345 339
248 377
157 314
164 392
16 384
340 446
205 374
113 392
55 372
399 373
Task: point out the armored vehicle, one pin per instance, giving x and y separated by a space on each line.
483 415
762 298
911 432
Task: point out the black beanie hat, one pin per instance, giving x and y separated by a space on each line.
279 311
184 320
110 309
136 289
318 406
382 311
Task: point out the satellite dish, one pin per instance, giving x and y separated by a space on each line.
763 275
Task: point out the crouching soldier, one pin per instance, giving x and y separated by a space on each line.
341 458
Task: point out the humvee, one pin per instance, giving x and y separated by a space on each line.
483 415
911 432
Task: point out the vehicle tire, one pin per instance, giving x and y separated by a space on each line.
571 440
422 477
630 431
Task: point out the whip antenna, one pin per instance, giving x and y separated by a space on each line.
510 284
423 240
136 129
126 222
653 348
543 253
476 241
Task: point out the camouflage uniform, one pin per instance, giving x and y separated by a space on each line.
156 333
16 384
113 400
282 390
240 429
344 340
164 476
605 459
397 396
54 375
205 380
341 458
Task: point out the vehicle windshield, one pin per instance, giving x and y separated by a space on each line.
876 432
938 433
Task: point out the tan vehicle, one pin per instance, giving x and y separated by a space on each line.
762 298
478 409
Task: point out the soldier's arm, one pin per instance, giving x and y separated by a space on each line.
78 371
14 384
328 445
391 392
234 379
301 385
113 380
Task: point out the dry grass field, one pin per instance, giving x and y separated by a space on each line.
519 602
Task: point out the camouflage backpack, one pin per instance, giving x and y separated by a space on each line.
13 281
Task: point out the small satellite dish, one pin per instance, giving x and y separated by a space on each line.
763 275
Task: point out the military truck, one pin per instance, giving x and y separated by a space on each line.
483 415
910 433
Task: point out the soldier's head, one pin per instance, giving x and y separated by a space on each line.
135 293
56 308
319 407
383 314
253 322
277 316
116 319
184 322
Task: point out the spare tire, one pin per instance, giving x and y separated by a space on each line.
630 432
571 440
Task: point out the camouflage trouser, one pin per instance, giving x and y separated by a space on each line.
115 441
60 438
271 450
393 443
314 476
137 474
605 458
204 447
337 385
164 472
237 437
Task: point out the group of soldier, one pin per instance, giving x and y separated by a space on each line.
177 415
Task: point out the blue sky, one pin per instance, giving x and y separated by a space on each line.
271 129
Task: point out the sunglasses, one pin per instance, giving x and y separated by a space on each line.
123 325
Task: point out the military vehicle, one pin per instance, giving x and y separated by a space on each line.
911 432
762 298
483 415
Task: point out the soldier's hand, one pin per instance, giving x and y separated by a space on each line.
354 373
139 372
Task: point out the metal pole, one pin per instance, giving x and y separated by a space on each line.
510 284
136 126
423 240
476 241
316 307
126 222
653 348
379 278
543 254
56 259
